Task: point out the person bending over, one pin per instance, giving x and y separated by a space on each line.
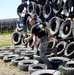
40 31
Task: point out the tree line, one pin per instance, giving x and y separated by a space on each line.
7 24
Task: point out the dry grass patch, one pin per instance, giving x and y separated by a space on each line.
5 39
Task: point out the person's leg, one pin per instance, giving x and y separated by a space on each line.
24 26
43 50
54 50
25 29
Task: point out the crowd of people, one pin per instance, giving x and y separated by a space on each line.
39 33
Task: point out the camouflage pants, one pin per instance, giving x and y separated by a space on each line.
43 49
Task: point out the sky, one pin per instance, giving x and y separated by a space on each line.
8 8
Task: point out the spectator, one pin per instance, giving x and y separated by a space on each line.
23 16
23 21
21 7
38 20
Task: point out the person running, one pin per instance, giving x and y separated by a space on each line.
40 32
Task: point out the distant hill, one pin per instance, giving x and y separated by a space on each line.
4 21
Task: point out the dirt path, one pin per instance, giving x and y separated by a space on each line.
9 69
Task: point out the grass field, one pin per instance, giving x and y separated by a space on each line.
6 39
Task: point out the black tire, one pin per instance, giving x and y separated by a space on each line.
22 41
56 61
6 47
4 54
38 9
26 50
15 61
20 8
40 2
18 27
36 57
16 38
24 64
35 67
26 58
0 49
65 9
19 47
8 58
19 50
31 7
68 69
54 25
46 72
42 17
73 29
62 31
69 50
56 7
61 47
29 54
47 11
51 45
23 53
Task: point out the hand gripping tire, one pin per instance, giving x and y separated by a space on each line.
56 61
54 25
35 67
24 64
46 72
68 69
31 7
61 47
16 38
65 29
69 50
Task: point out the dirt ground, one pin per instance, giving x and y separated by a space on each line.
9 69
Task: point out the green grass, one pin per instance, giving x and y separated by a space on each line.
16 69
6 39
